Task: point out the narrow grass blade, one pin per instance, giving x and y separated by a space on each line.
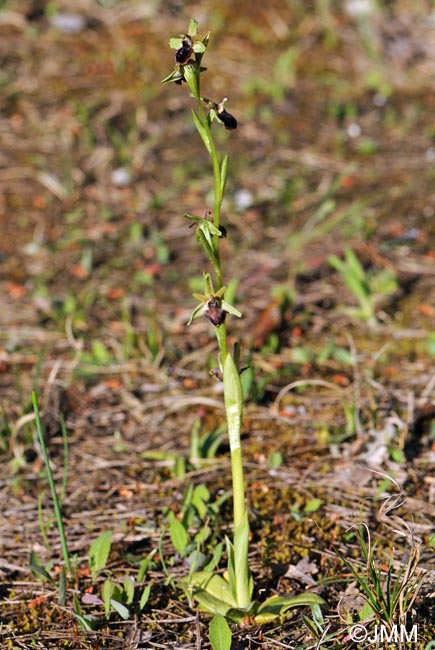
57 509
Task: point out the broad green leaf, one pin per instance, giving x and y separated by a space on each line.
187 500
37 569
196 559
128 584
144 565
209 443
213 594
337 263
355 265
356 286
202 536
76 604
100 352
200 499
219 633
179 536
99 552
211 603
120 608
217 554
62 588
88 623
144 597
106 594
276 606
313 505
275 459
212 583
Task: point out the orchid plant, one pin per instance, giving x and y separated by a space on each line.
229 595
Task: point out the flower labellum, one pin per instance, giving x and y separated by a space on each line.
214 313
183 54
229 120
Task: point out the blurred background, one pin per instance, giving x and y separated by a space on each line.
99 161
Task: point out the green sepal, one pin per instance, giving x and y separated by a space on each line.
204 298
175 75
193 27
209 289
176 43
197 312
203 221
204 235
230 309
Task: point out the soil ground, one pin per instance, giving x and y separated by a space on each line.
334 152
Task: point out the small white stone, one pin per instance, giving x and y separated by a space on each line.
379 99
358 8
243 199
65 22
354 130
121 177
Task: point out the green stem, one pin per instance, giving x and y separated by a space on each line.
233 391
239 507
221 335
217 181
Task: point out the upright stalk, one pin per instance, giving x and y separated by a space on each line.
194 84
231 595
188 69
221 331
